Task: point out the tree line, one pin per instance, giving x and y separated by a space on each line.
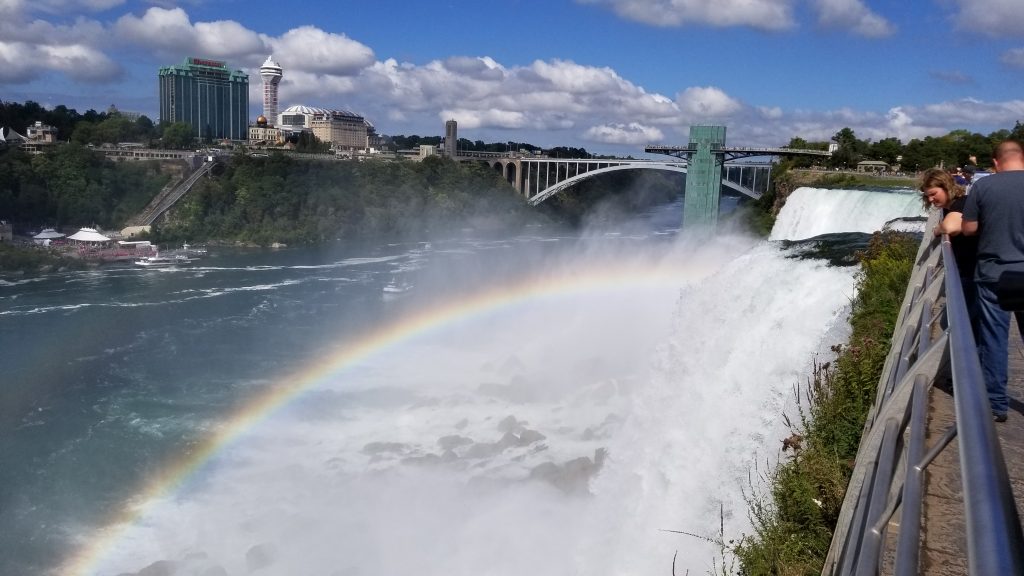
953 149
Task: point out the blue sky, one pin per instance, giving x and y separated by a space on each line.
607 75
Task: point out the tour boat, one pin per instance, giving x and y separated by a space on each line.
158 261
396 287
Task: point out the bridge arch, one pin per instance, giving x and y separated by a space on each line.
569 182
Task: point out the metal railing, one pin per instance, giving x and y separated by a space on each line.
933 334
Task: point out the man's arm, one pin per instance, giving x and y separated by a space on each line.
969 223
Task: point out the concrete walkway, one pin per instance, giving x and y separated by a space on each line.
943 545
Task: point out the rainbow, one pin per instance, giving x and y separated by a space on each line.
87 560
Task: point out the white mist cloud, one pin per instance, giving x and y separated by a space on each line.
772 15
852 15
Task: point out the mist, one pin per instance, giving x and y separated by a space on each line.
628 393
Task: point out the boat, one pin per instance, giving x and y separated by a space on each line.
158 261
395 287
190 250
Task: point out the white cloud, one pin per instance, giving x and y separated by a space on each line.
761 14
852 15
1013 57
951 77
707 103
991 17
21 62
631 134
473 119
170 33
158 29
571 77
313 50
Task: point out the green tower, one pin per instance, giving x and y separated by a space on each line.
703 177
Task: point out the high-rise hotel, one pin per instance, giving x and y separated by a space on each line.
207 95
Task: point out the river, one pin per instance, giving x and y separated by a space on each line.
536 404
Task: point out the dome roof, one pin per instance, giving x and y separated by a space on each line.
301 109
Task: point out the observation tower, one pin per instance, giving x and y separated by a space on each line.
271 74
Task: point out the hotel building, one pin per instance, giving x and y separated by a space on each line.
207 95
344 130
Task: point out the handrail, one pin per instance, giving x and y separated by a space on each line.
933 329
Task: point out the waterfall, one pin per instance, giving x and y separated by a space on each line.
810 212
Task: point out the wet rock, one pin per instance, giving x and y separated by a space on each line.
483 450
510 424
385 447
159 568
573 476
527 437
260 556
454 441
426 459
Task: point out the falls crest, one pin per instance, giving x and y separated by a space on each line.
811 212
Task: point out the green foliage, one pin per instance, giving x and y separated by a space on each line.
34 259
794 520
74 186
177 136
282 199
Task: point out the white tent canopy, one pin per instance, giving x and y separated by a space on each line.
48 234
88 235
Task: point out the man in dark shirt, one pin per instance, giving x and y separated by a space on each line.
995 212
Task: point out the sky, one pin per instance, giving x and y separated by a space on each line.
610 76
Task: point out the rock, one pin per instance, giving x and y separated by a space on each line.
527 437
510 424
159 568
259 556
380 447
453 441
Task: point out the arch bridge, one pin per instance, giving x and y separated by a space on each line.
541 178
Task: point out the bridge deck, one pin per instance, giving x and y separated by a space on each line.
943 547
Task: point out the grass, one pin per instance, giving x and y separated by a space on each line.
795 515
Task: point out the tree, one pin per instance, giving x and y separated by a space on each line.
850 149
887 150
178 135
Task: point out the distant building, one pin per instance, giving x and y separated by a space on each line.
451 138
344 130
207 95
271 73
427 150
262 132
133 116
872 166
41 133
